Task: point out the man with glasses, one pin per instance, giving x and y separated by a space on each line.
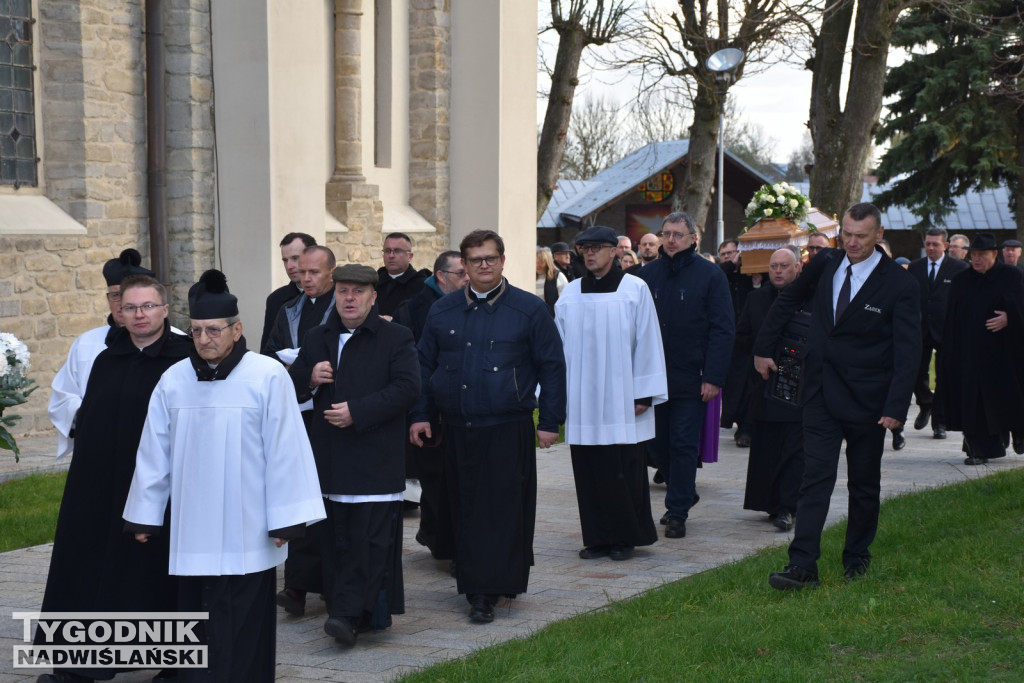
70 382
816 243
398 280
482 353
958 247
95 566
615 367
691 295
224 442
425 468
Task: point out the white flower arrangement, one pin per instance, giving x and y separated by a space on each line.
14 385
780 200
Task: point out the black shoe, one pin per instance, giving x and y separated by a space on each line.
293 601
659 478
481 611
793 577
675 527
341 629
621 552
854 572
971 460
898 440
595 551
783 521
938 432
665 517
742 441
922 417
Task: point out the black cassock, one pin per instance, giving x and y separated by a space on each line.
95 566
983 370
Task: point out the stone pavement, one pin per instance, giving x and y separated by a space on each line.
435 627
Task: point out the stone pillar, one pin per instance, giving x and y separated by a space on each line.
493 152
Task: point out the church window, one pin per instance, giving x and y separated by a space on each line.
18 160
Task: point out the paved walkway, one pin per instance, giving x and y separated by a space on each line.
435 627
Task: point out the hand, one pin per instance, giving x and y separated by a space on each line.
890 423
280 541
338 415
418 430
998 322
708 391
322 373
141 538
639 409
546 439
764 365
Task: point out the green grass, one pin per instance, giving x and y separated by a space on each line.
28 510
943 600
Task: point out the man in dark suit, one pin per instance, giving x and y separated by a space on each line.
934 274
292 246
863 350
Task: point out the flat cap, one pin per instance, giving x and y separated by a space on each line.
1011 243
598 234
355 273
560 247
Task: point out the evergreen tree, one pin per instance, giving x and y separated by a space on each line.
957 118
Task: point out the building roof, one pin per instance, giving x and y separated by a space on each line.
976 210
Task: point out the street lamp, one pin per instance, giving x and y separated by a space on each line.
723 65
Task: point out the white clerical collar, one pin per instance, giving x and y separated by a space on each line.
395 277
486 294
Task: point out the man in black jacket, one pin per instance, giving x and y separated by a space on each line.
397 280
292 246
934 274
863 349
364 376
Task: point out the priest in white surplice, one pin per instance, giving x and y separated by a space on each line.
225 442
615 368
68 387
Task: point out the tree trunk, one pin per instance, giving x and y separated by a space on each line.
842 139
695 193
1017 187
559 111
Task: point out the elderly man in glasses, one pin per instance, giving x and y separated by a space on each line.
95 566
224 442
397 280
482 353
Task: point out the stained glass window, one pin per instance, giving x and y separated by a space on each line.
18 162
658 187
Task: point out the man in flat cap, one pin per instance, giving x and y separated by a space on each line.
981 355
615 370
363 376
1011 253
224 442
564 260
69 384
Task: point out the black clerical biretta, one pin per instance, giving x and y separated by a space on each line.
127 263
209 299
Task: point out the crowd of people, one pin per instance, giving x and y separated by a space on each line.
200 465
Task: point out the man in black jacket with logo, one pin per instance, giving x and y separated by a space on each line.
863 350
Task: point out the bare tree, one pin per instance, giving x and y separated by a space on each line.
800 161
595 140
579 23
672 50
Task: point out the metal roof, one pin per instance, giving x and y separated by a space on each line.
976 210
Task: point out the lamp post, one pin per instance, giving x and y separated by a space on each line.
723 65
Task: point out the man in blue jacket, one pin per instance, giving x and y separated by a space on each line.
482 353
697 330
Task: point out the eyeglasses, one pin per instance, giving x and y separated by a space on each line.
593 248
396 252
145 308
211 332
113 296
478 261
676 235
456 273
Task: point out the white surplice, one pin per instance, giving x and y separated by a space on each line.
613 357
234 458
69 385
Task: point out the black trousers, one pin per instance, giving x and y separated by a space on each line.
923 394
823 440
775 469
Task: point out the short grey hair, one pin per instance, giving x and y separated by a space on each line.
680 217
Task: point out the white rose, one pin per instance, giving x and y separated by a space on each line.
778 188
767 212
807 203
793 203
3 365
780 200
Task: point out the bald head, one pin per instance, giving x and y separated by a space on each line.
783 267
